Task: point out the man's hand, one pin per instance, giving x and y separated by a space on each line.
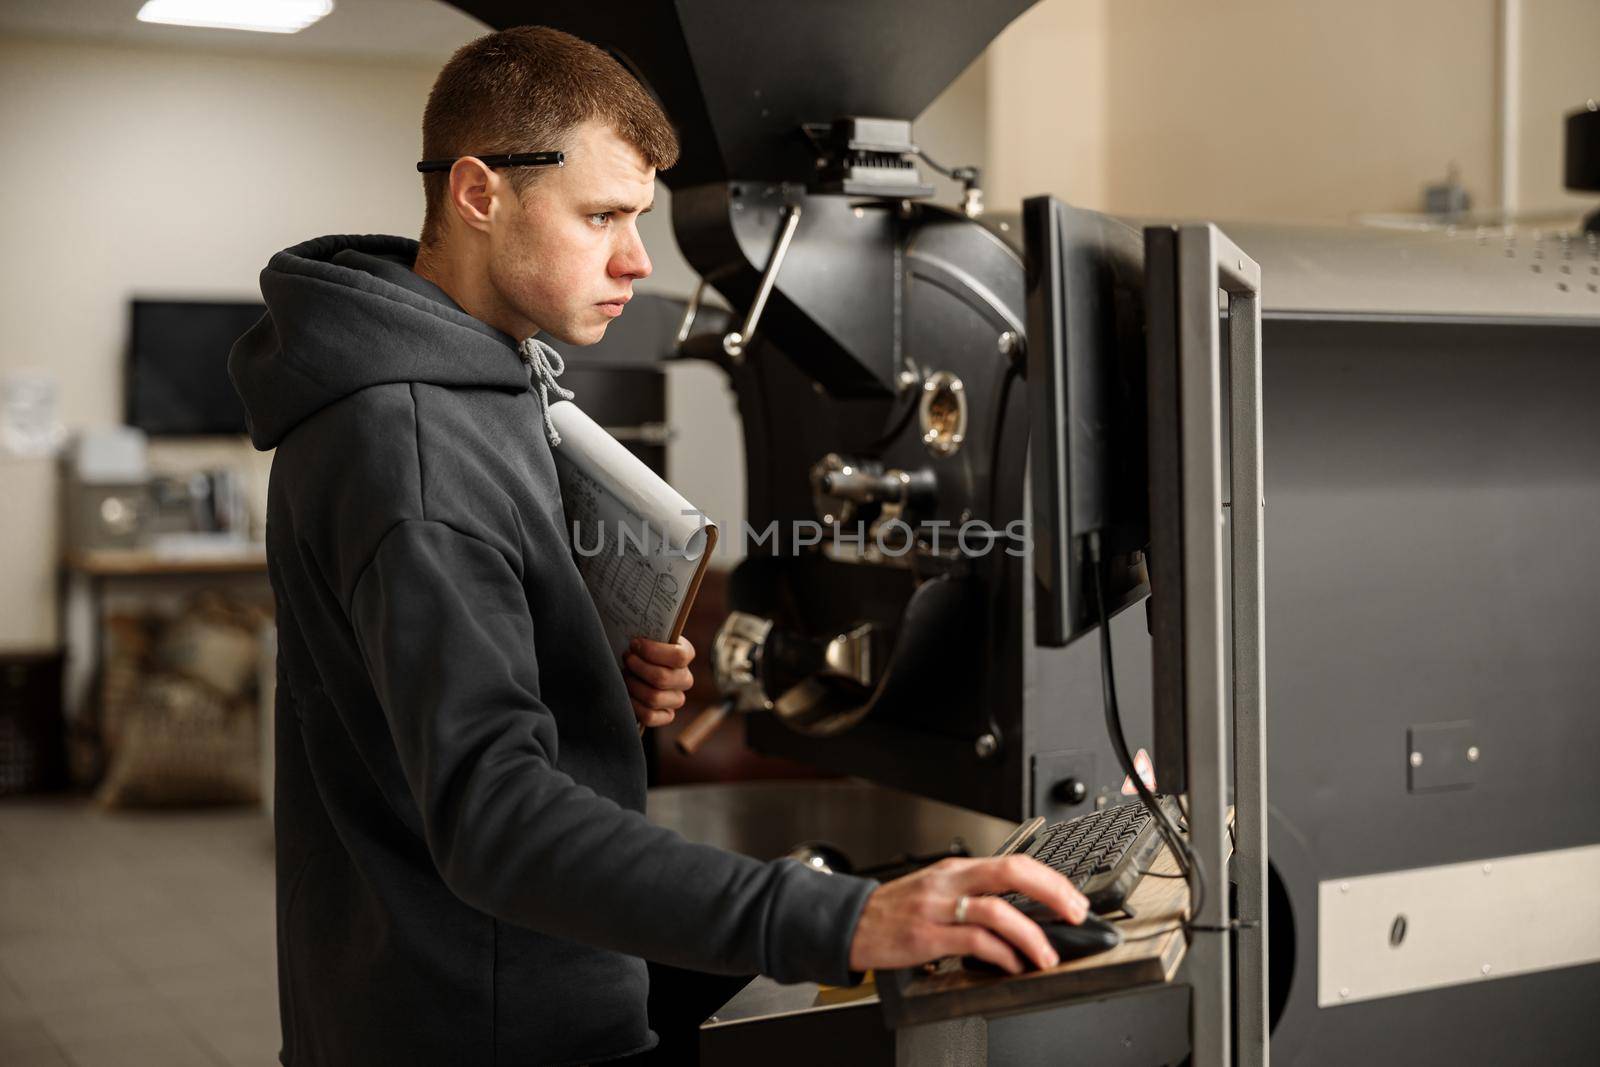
912 920
658 676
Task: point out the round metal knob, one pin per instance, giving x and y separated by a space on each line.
1069 791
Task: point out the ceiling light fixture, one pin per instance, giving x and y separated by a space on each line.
262 16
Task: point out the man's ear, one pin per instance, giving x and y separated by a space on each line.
473 187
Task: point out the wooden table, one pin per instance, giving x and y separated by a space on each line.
128 562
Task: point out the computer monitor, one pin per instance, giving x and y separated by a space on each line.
1086 394
177 371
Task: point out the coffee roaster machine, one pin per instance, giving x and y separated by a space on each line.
928 444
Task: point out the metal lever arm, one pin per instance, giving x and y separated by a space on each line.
735 343
691 311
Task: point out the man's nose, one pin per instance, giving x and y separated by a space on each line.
631 260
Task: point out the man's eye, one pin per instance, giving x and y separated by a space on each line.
600 218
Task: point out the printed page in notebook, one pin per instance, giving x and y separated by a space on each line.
640 546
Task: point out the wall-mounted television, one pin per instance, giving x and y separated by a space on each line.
176 377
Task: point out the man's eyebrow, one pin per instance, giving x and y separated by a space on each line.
618 206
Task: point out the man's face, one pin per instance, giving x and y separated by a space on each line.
566 255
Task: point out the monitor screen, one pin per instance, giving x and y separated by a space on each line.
1086 388
177 371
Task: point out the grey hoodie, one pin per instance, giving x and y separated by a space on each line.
464 872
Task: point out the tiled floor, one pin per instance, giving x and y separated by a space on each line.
135 939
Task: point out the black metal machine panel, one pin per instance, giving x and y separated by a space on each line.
1432 487
739 80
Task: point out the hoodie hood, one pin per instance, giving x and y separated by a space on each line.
346 313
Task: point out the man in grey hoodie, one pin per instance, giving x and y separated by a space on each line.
465 874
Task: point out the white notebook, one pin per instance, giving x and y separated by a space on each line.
641 547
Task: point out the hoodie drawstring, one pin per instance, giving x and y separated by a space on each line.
546 365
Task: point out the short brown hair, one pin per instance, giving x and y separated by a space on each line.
524 90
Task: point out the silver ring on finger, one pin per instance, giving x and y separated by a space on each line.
961 909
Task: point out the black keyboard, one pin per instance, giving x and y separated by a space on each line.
1104 853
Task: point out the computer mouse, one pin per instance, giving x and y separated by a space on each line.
1071 942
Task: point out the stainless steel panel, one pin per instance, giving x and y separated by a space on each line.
1351 271
1380 935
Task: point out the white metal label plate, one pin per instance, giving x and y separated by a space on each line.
1462 922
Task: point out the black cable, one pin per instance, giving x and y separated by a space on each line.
1181 851
1184 855
1119 741
960 174
1237 925
930 162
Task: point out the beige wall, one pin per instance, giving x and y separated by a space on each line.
1301 109
1047 105
1560 69
163 173
1266 109
954 128
28 539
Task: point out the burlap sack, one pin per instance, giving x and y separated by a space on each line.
180 714
212 641
180 742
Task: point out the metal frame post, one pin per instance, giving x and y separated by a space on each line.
1248 512
1208 262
